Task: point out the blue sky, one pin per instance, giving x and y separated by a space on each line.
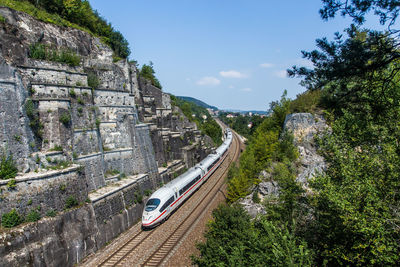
231 54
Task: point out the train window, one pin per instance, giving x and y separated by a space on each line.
210 167
186 187
167 203
152 204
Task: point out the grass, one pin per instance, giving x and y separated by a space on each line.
56 148
2 19
65 118
60 165
71 202
62 55
92 80
11 219
8 168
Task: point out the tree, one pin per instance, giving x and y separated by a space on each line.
148 72
387 10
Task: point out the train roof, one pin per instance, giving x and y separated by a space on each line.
181 179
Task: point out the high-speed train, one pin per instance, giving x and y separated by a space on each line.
168 198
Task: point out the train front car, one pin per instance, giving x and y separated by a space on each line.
157 209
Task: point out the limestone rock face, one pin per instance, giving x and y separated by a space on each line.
304 127
94 133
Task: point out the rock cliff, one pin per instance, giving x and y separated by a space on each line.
304 127
95 133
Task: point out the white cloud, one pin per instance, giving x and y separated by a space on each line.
247 89
188 79
281 74
232 74
208 80
231 86
266 65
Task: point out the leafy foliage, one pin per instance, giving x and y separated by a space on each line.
71 202
74 13
92 80
11 219
34 120
234 240
147 71
45 52
8 169
264 148
387 11
65 118
33 216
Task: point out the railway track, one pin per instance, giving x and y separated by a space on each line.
151 248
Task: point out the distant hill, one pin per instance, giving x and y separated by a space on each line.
197 102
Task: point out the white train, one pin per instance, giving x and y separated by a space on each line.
168 198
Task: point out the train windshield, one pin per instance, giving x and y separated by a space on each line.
152 204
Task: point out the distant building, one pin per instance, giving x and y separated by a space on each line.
250 125
204 117
230 116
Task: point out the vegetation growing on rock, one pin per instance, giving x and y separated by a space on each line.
147 72
8 169
195 113
74 13
350 214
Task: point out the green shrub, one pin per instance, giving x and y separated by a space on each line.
11 219
98 123
80 102
17 138
56 148
138 197
2 19
65 118
62 187
71 202
147 192
12 184
33 216
92 80
45 52
51 213
60 165
72 93
255 197
8 169
148 72
34 120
